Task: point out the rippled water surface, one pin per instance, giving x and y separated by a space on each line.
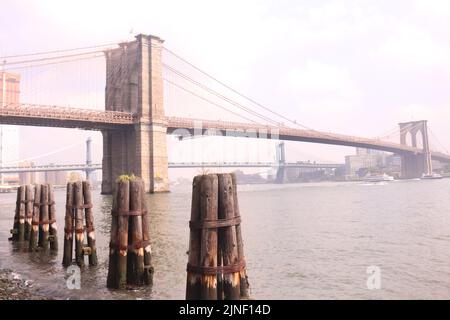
309 241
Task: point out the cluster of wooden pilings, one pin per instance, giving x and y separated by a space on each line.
130 262
216 263
35 217
79 221
23 214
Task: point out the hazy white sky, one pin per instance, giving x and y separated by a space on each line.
354 67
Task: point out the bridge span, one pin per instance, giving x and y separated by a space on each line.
64 117
175 165
134 125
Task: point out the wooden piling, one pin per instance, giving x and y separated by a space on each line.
148 267
29 199
53 232
68 226
34 235
112 279
79 227
208 247
123 208
135 268
193 278
21 206
44 219
243 283
130 251
15 229
89 216
216 265
227 238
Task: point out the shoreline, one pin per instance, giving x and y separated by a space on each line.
14 287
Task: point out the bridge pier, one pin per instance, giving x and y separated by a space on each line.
88 158
412 166
134 84
415 165
281 161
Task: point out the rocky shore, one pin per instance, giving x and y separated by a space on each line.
14 287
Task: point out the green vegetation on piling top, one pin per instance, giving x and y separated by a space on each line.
126 177
207 173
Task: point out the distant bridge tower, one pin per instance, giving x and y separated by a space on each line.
88 157
414 165
281 161
134 84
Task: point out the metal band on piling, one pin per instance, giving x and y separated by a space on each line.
46 203
210 271
122 213
137 245
37 223
84 206
219 223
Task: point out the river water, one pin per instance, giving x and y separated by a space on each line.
302 241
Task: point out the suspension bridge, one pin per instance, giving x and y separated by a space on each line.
175 165
89 167
133 77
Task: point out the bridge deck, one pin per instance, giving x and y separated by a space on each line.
183 126
64 117
175 165
54 116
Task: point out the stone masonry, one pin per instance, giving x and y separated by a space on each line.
134 84
414 165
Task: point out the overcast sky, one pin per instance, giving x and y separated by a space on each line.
353 67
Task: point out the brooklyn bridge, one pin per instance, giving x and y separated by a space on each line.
134 125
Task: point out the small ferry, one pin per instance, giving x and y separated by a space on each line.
5 189
378 178
431 176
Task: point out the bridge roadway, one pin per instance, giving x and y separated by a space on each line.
54 116
92 167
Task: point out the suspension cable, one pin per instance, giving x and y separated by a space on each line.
209 101
221 96
438 141
235 91
55 51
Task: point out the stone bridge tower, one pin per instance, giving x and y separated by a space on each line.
281 161
134 84
414 165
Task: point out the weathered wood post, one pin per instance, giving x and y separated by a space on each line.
193 278
227 239
112 280
15 229
136 259
215 264
29 199
148 267
53 231
89 216
21 209
34 235
130 250
208 247
79 209
123 202
44 218
68 226
244 284
79 227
